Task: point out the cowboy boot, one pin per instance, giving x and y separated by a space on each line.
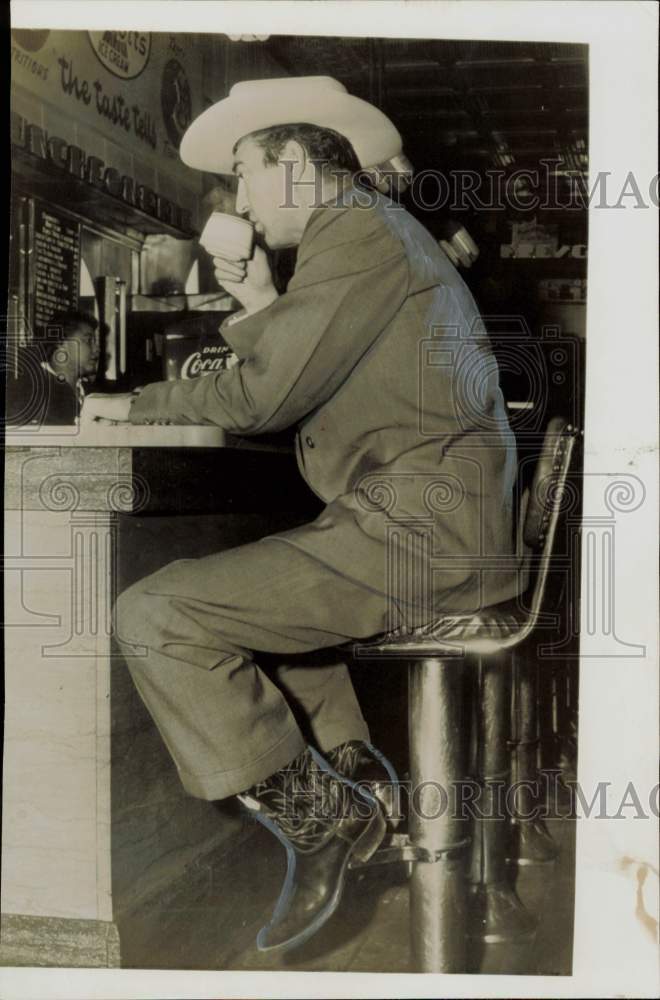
371 772
325 824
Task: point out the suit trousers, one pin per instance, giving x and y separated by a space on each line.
189 633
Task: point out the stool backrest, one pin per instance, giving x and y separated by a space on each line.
545 500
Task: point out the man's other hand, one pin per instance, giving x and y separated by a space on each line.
249 281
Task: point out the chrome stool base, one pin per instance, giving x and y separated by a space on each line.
436 724
497 915
532 844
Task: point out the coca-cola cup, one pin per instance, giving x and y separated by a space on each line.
228 237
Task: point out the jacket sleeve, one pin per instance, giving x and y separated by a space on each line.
351 279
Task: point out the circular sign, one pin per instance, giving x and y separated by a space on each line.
124 53
29 39
175 101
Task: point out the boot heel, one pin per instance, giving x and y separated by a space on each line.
370 840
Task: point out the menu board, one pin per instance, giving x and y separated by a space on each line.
55 263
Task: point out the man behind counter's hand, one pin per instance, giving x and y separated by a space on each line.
106 408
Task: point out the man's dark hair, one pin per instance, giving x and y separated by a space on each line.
60 327
323 145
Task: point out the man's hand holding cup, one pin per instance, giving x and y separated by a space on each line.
241 267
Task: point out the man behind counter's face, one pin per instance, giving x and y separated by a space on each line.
77 355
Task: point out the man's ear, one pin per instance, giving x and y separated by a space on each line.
296 154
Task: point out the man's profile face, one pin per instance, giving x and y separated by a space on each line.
82 347
262 194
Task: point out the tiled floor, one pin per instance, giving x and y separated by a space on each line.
209 920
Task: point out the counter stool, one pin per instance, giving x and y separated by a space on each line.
531 842
437 656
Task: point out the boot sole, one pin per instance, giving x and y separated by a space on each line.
361 850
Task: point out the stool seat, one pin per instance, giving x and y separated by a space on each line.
481 632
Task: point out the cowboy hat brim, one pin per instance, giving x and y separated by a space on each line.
209 142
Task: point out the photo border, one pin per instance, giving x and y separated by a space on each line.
618 737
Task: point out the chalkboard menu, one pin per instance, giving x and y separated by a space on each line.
55 263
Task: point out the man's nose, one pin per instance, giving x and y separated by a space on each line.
242 203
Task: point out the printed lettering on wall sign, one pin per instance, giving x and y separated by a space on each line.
112 107
124 53
26 42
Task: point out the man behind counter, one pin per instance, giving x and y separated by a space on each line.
49 389
338 356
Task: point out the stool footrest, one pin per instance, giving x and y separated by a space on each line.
399 848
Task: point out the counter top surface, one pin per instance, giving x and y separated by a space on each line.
96 435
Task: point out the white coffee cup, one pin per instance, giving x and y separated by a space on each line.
227 236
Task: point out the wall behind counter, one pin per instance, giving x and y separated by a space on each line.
126 97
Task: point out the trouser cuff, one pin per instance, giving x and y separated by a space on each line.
221 784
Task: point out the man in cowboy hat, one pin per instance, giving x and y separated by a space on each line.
377 354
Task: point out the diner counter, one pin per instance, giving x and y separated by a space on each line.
83 520
153 470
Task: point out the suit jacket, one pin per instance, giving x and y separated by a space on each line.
377 353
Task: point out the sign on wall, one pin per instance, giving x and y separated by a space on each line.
139 90
124 53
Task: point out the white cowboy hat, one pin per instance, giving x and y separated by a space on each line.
257 104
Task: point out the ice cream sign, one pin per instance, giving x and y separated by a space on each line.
124 53
136 90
